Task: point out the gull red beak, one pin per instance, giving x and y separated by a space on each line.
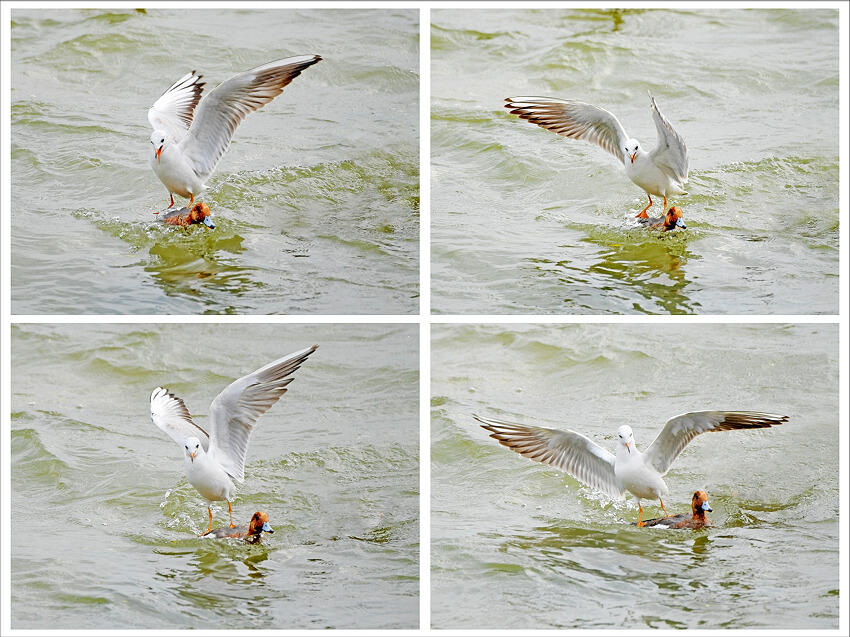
632 156
192 456
159 152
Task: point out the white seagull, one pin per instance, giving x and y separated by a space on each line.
630 470
211 460
662 171
187 146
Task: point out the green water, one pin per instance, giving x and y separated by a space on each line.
316 203
526 222
111 522
517 544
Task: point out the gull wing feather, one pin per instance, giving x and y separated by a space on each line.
566 450
573 119
679 431
169 413
224 108
670 153
174 110
235 410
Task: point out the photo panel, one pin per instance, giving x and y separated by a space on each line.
738 108
315 205
524 545
333 463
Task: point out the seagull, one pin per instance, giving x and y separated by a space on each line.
630 470
212 461
662 171
187 146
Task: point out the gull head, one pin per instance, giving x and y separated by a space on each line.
625 437
632 148
158 142
192 447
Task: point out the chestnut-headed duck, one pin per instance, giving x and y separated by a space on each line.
672 220
199 213
252 533
212 461
697 520
630 470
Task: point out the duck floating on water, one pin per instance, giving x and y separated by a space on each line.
672 220
198 213
697 520
252 533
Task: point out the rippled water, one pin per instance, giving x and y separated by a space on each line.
524 221
106 521
517 544
316 203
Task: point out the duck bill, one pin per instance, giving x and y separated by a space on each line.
267 528
680 223
209 223
705 507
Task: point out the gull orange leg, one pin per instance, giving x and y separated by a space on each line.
192 199
666 515
209 528
640 515
642 215
169 205
665 212
230 511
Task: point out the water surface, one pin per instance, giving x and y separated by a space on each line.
111 524
517 544
524 221
316 203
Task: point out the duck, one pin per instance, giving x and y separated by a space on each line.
629 470
213 460
697 520
199 213
253 533
672 220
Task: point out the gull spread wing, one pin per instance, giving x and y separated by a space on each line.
670 153
568 451
173 111
224 108
679 431
170 414
235 410
573 119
